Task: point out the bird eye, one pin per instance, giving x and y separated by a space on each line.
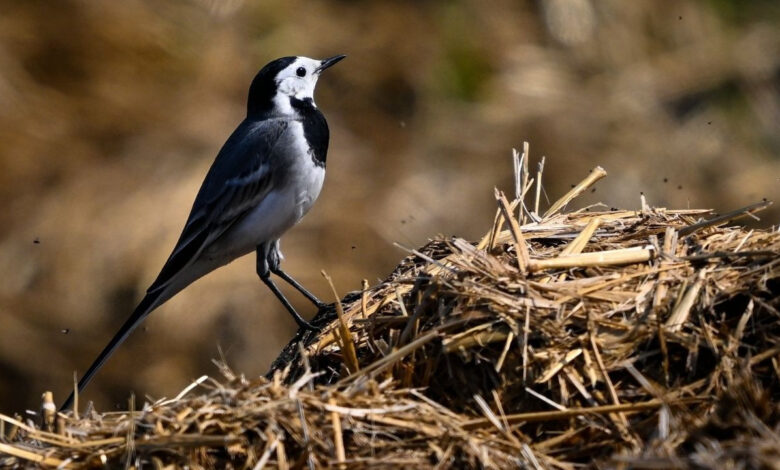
300 72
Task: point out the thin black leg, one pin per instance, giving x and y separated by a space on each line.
296 316
290 280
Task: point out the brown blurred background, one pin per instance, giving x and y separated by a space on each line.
111 113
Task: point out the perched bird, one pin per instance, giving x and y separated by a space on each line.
264 179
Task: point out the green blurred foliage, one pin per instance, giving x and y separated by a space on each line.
741 12
465 67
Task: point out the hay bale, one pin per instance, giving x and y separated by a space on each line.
645 338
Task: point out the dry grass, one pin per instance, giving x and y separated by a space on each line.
642 339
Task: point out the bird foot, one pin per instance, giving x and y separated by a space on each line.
309 327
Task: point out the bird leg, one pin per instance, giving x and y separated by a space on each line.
274 259
296 316
264 271
290 280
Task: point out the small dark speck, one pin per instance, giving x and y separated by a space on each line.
587 209
613 209
65 331
573 185
679 17
666 180
37 241
679 187
354 247
764 199
709 123
641 193
593 190
403 221
145 328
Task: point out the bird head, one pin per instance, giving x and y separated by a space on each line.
285 78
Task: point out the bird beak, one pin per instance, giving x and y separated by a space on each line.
328 62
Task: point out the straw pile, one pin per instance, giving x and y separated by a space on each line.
642 339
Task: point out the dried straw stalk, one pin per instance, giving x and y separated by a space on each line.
590 338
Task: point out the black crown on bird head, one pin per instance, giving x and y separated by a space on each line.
263 88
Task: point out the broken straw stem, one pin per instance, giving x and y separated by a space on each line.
347 344
725 218
571 412
594 175
600 258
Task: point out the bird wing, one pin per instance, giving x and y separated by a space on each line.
237 181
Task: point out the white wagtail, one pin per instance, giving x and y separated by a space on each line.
266 177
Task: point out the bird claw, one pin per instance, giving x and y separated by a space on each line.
309 327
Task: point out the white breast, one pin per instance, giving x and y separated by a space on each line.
306 177
285 205
311 188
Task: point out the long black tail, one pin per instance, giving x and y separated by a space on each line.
141 311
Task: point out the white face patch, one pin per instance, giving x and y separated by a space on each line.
299 78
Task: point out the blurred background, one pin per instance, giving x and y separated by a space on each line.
111 113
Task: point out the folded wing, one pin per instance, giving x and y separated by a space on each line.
239 179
